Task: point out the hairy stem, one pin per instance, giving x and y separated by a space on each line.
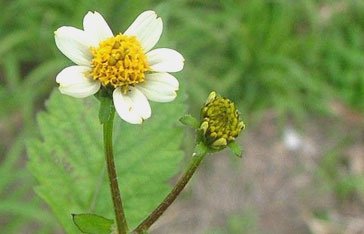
121 223
169 199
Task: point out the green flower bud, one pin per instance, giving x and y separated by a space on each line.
220 122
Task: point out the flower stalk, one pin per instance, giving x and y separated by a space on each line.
171 197
121 223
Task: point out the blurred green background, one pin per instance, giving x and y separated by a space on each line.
295 68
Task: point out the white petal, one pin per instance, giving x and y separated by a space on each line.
72 75
141 104
157 89
95 25
161 88
164 79
147 28
165 60
156 96
132 107
73 82
74 44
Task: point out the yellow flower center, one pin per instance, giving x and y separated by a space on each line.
221 122
119 62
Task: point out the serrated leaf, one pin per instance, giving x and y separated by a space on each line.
92 223
68 159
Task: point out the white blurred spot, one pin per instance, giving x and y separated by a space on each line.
291 139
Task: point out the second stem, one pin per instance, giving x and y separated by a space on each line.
169 199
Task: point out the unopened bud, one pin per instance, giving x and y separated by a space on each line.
220 121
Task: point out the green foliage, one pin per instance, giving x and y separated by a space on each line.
20 209
68 160
250 48
43 17
285 50
342 53
92 224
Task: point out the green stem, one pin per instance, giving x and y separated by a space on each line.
121 224
169 199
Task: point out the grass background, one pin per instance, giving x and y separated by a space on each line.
301 60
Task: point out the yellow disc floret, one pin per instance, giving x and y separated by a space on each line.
220 121
119 62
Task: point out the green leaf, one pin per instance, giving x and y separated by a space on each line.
190 121
92 223
235 149
68 161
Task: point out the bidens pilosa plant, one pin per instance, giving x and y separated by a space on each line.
123 72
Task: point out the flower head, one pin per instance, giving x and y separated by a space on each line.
122 63
220 122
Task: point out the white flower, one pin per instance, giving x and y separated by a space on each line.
123 63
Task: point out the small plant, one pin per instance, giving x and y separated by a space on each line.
302 55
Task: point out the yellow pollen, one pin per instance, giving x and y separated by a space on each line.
119 62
